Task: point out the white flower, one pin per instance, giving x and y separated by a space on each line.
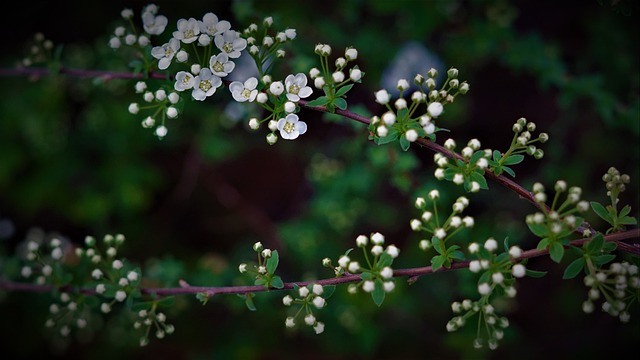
351 54
319 302
484 289
161 131
154 25
388 286
296 87
377 238
337 77
165 53
244 92
26 271
184 81
134 108
188 31
518 270
289 107
210 24
290 127
290 33
174 98
389 118
220 65
130 39
276 88
117 264
368 286
353 267
393 251
205 84
377 250
132 276
319 82
101 288
435 109
143 40
386 272
382 97
114 43
289 322
183 56
382 131
491 244
497 278
231 43
515 251
402 85
474 266
411 135
317 289
287 300
121 295
96 274
355 74
242 268
319 328
303 291
272 138
343 261
310 319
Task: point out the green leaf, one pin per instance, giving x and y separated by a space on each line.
478 176
378 293
260 281
166 302
391 136
456 255
513 159
203 298
328 290
320 101
340 103
573 269
594 246
404 143
624 211
602 212
272 262
343 90
603 259
277 282
535 274
384 260
249 302
538 230
627 220
497 155
509 171
366 275
556 251
437 262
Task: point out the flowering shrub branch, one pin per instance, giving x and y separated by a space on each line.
195 64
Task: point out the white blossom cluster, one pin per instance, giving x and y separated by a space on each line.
523 141
309 297
429 220
162 104
148 318
560 218
476 160
494 323
39 51
414 119
618 285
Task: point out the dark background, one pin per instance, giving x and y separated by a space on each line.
74 162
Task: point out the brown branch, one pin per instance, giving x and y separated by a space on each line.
412 273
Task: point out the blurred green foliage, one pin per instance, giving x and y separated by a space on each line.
74 161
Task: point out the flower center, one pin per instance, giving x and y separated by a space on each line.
294 89
227 47
189 34
246 93
168 52
217 67
289 127
186 80
205 85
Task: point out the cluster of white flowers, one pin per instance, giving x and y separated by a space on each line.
148 318
39 51
523 141
153 24
559 219
160 103
616 285
475 159
337 77
41 263
66 314
309 297
404 120
380 272
429 221
495 324
499 271
263 44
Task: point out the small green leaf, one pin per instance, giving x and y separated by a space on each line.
249 302
627 220
594 246
437 262
624 211
203 298
556 251
602 212
509 171
404 143
384 260
320 101
391 136
497 155
573 269
340 103
456 255
272 262
378 293
328 290
538 230
603 259
276 282
366 275
535 274
478 176
513 159
260 281
166 302
343 90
